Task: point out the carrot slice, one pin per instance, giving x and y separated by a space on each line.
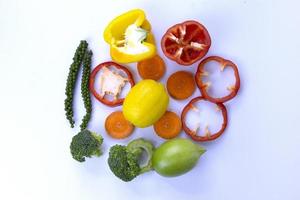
181 85
153 68
168 126
117 126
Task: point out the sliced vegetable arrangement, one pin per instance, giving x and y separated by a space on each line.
152 68
205 87
181 85
111 83
146 103
117 126
190 107
186 42
130 38
168 126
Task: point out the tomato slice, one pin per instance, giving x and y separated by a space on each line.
208 135
186 43
204 87
101 97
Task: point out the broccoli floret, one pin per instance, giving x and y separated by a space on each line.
123 161
137 147
86 144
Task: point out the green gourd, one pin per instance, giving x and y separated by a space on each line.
176 157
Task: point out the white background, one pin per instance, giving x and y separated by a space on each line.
257 157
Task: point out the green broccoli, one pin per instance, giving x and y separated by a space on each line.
124 161
86 144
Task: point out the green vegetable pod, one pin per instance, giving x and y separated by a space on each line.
176 157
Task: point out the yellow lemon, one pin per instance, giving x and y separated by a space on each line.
145 103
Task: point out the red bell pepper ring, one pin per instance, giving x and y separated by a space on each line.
204 87
208 135
186 42
101 98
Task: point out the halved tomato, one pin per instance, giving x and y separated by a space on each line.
186 43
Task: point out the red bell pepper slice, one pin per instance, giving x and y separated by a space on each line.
186 42
204 87
101 98
208 135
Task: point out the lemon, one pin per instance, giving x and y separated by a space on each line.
145 103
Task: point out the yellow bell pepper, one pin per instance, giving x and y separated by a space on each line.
145 103
130 38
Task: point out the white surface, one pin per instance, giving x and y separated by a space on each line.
257 157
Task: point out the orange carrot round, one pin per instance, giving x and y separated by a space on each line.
117 126
152 68
181 85
168 126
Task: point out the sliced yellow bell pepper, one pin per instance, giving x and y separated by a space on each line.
130 38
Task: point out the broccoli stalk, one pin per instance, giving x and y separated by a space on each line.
86 144
123 161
